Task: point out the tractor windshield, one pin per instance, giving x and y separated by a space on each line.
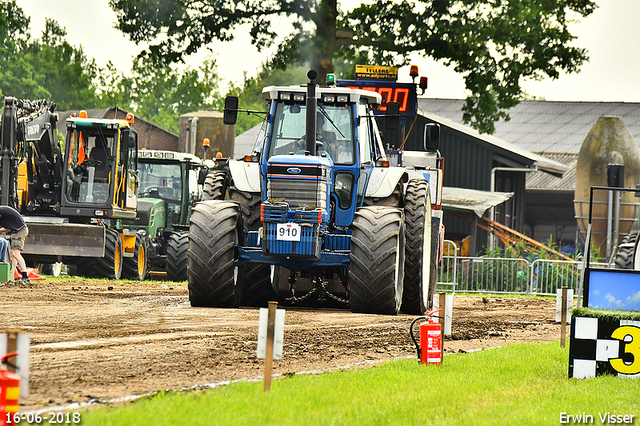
90 158
160 181
334 130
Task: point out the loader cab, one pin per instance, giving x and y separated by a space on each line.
100 169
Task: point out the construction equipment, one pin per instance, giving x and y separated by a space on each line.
71 202
168 188
317 215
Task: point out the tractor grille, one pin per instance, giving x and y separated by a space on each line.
301 186
299 193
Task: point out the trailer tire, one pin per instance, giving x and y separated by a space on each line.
110 266
211 254
628 252
215 186
137 267
377 261
417 263
177 258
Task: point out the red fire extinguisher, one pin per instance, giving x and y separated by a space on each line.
9 392
430 338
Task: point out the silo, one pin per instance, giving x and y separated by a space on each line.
196 126
607 143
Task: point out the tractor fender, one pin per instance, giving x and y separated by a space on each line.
245 175
383 181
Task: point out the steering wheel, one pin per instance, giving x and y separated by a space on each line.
92 162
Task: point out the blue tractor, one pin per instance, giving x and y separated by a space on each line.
316 212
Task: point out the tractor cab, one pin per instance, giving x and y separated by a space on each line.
100 169
329 172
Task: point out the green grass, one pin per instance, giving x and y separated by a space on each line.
517 385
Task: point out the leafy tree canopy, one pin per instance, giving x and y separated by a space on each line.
161 93
493 44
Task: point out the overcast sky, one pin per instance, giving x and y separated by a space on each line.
611 34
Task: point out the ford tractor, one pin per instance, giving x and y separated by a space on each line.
317 211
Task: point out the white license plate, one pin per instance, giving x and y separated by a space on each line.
288 232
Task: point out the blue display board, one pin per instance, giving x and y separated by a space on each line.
612 289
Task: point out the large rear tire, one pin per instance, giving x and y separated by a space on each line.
417 266
212 239
377 261
177 258
137 267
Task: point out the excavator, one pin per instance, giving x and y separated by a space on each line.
71 199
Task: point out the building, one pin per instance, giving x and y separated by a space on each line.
554 130
150 136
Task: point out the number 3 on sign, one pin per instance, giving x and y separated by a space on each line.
631 347
288 232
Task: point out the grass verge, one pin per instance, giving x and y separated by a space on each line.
514 385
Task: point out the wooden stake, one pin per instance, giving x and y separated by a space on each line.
442 305
12 346
563 317
268 359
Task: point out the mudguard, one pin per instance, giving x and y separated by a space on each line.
383 181
245 175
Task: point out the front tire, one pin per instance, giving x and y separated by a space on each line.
377 261
417 266
110 266
211 255
177 258
215 186
137 267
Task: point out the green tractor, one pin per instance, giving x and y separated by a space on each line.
168 188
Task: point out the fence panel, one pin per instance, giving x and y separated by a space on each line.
487 274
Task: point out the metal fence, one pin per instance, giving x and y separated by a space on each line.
507 275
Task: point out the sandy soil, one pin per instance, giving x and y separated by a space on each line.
100 340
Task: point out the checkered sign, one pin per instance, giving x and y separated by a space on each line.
604 346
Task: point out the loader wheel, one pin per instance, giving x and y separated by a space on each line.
212 239
417 263
110 266
215 186
177 259
377 261
628 256
137 267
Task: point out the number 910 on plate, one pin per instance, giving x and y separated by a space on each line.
288 232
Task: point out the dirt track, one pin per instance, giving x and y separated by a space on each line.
103 340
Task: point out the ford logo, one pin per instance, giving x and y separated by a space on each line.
293 170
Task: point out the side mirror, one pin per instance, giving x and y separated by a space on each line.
393 115
230 110
131 142
202 175
431 137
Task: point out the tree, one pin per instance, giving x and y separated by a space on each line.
160 93
494 44
16 74
62 69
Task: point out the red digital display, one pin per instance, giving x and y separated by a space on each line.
400 93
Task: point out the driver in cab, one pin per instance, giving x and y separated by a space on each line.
326 137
